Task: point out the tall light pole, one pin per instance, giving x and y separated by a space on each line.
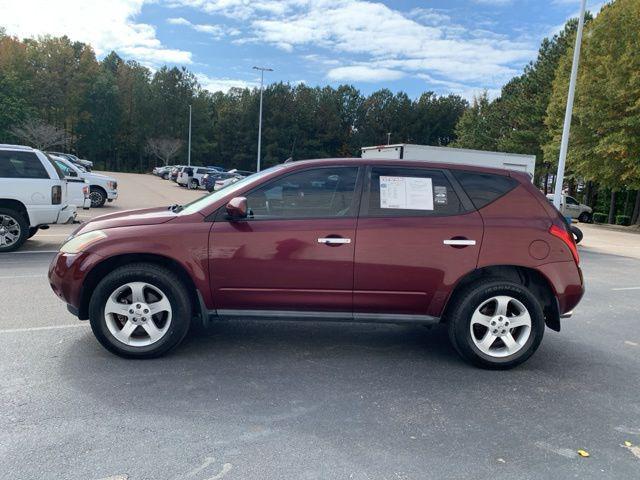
557 194
262 70
189 148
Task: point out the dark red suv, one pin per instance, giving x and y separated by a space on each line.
481 250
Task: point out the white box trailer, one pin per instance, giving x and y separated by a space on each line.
463 156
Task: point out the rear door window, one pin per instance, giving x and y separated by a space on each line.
15 164
402 191
484 188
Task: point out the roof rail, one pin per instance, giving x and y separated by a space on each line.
15 147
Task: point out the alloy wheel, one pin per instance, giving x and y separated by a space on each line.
96 198
9 230
138 314
500 326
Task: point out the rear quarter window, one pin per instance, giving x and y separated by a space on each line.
484 188
15 164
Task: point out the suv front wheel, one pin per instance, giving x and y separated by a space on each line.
496 324
140 311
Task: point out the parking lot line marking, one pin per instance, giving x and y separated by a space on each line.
626 288
50 327
11 277
29 251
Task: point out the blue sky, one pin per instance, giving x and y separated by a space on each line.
452 46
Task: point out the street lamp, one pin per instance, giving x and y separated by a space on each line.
262 70
557 194
189 148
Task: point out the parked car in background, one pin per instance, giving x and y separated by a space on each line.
163 172
571 208
209 180
33 195
86 164
478 249
101 187
173 175
229 178
193 177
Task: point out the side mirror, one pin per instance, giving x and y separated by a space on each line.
237 208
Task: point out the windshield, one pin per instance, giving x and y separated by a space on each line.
213 197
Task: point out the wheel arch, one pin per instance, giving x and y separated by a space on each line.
109 264
532 279
16 205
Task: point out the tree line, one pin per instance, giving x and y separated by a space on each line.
123 116
55 93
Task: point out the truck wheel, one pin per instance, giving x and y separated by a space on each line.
98 196
14 230
193 184
585 217
496 324
140 310
32 231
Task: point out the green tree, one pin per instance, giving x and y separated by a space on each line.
604 146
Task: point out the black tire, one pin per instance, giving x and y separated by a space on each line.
98 196
165 176
157 276
15 223
472 297
32 231
577 233
193 184
584 217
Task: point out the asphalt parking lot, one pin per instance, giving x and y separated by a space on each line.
279 400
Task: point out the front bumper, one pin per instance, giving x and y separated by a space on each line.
67 273
112 195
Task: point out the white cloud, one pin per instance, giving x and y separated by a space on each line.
498 3
244 9
394 41
216 31
363 73
104 24
217 84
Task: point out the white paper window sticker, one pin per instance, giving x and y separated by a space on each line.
407 193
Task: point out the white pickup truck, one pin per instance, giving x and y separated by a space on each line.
33 194
570 207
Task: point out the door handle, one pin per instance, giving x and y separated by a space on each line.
459 242
334 240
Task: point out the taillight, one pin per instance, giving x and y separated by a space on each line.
56 195
566 237
85 190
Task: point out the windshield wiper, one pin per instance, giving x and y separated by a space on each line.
175 208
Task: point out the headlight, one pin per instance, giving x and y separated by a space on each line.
79 243
112 185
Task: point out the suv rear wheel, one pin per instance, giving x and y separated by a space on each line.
496 324
140 311
14 230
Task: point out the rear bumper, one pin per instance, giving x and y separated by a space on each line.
568 287
67 214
